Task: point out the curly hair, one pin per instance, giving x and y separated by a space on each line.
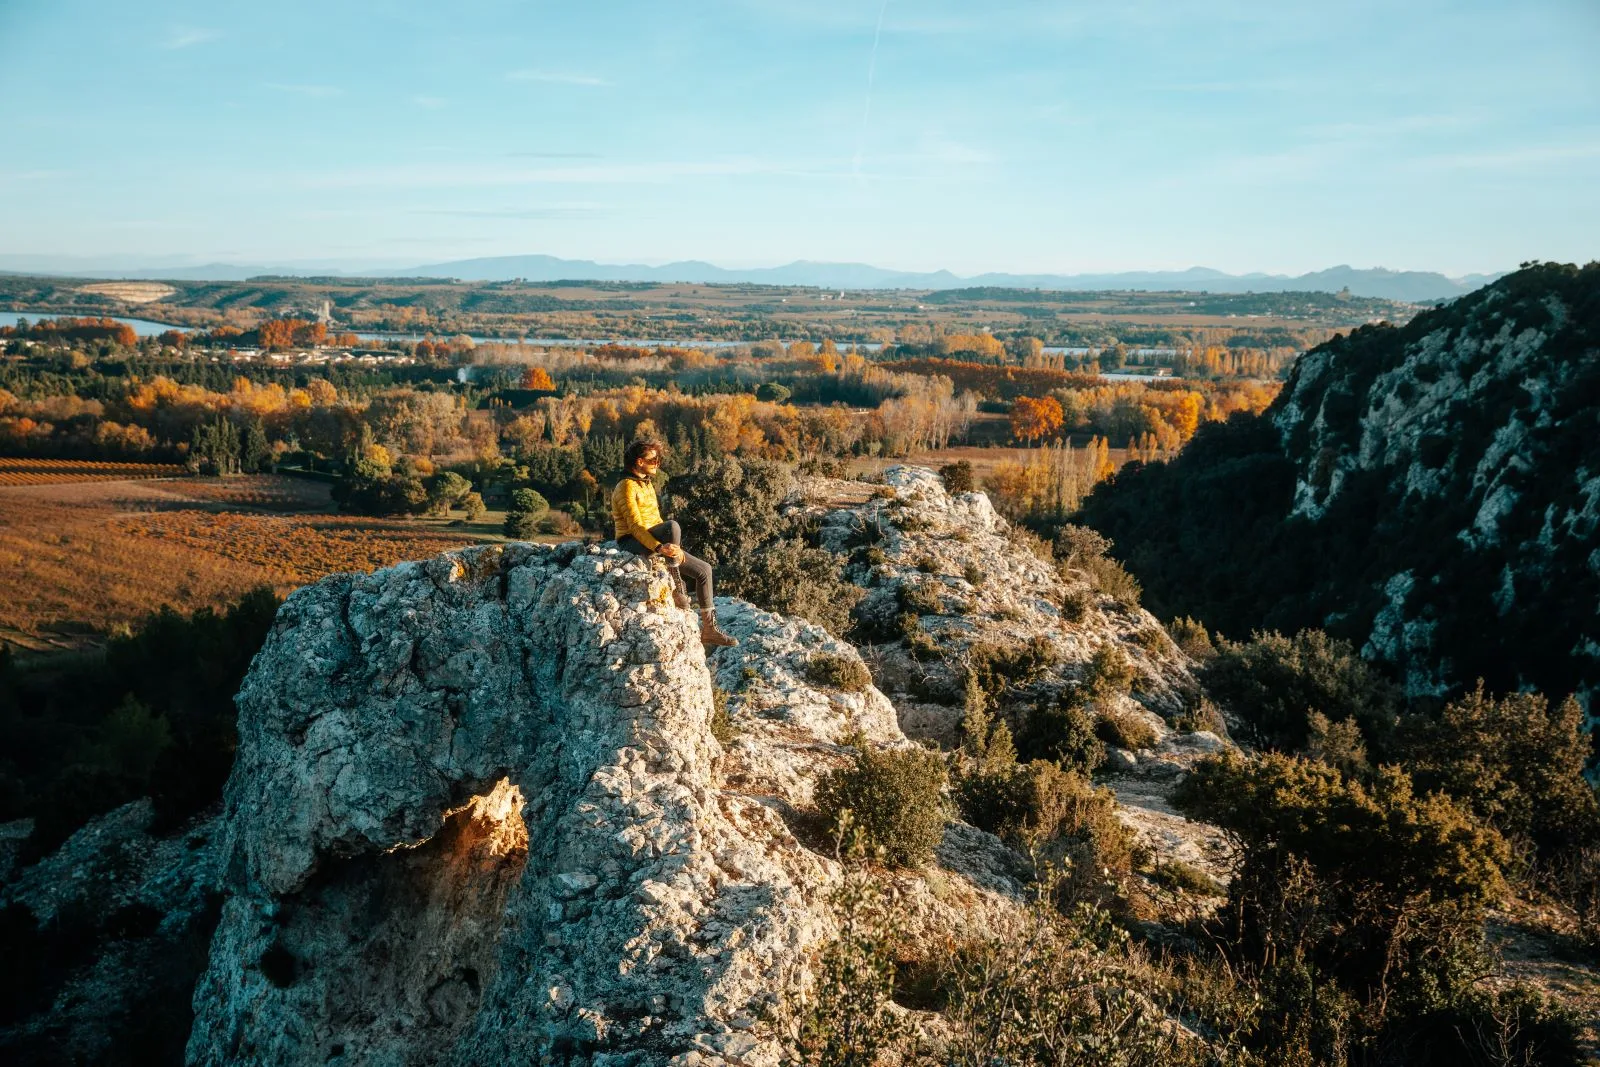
639 449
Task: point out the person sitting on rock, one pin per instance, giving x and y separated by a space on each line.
640 530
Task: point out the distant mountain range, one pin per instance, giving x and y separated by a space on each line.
1416 286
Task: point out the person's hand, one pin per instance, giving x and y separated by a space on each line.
672 552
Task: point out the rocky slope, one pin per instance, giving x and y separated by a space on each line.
1431 492
979 589
479 813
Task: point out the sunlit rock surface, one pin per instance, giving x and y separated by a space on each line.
479 816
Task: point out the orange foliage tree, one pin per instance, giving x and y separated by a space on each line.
537 378
1033 419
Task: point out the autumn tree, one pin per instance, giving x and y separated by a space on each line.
538 378
1032 419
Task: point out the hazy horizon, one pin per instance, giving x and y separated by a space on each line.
1459 138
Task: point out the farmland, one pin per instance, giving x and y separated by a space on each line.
81 558
63 471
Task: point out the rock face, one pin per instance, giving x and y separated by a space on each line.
125 915
1429 492
1478 424
976 587
479 813
470 823
479 816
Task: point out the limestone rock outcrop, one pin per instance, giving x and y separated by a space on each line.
479 816
974 584
1429 492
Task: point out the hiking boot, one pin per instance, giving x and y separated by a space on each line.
710 636
680 593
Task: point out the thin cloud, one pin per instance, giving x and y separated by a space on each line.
477 175
1514 157
306 90
552 155
560 211
555 78
188 37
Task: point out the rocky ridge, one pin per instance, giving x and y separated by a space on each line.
1476 423
479 812
977 583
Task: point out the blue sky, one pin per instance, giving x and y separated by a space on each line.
1244 134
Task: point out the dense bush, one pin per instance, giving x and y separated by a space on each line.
1081 552
1125 729
895 799
1272 682
1515 762
1192 638
527 510
1376 890
728 509
838 670
1061 728
1109 672
793 578
920 598
958 477
997 668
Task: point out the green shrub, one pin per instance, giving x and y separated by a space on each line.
1109 672
1152 639
895 799
1076 602
1204 715
1338 744
1029 804
1271 683
958 477
1377 888
1061 729
792 578
839 671
1125 729
921 598
729 511
998 668
844 1017
1192 638
1080 550
1046 995
523 515
1515 762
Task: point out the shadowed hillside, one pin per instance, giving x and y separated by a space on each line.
1430 492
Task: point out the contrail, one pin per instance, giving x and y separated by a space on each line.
872 70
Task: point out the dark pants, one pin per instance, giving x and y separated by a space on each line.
696 571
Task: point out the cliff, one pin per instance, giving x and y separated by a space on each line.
479 812
1430 492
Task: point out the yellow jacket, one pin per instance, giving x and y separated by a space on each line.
634 510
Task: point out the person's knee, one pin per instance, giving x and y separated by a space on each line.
673 531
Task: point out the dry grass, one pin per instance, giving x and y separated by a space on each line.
77 556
